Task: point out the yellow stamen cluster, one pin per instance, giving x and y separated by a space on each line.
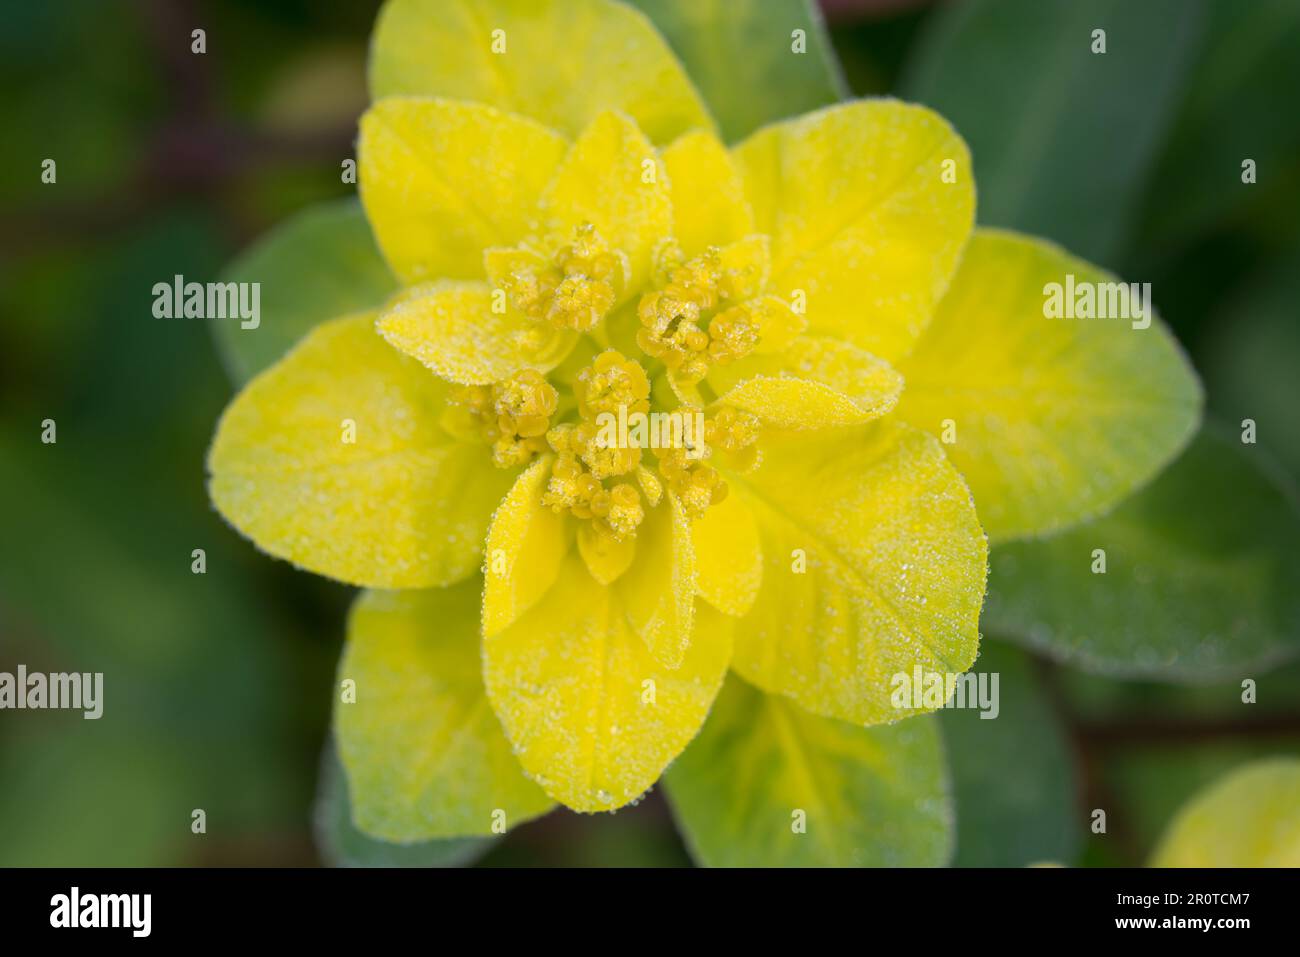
701 311
675 317
612 382
583 463
514 415
578 489
573 289
616 511
733 333
735 432
696 483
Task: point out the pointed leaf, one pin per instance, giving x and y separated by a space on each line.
868 204
443 180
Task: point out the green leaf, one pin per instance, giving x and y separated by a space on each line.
1244 79
740 55
424 751
1251 356
1202 575
321 264
1013 777
1251 818
343 845
868 796
1063 139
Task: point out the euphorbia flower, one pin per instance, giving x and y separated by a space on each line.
597 249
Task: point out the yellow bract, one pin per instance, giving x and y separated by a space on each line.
654 579
728 556
814 383
863 218
525 546
441 181
612 178
424 752
788 403
835 363
335 460
657 592
452 328
873 565
1051 420
594 719
561 63
607 558
709 206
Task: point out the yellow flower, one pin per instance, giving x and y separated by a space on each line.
592 250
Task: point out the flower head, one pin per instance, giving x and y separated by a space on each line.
585 280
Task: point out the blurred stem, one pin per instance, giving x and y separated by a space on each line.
1094 791
1094 741
1105 735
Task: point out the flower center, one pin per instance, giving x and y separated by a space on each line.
700 311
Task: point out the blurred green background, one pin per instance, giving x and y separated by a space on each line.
218 686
